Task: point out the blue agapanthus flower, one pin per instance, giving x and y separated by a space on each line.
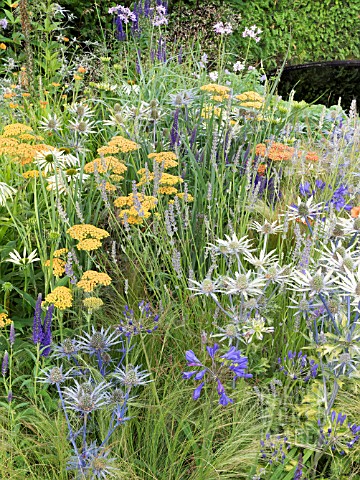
232 361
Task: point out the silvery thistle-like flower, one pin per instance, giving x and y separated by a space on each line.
82 126
24 260
131 376
228 333
98 342
349 283
207 287
67 349
116 119
266 228
51 123
277 274
182 98
6 192
313 283
350 225
49 160
304 210
339 262
243 285
54 375
233 245
80 111
263 260
86 397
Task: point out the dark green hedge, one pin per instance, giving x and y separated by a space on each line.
315 29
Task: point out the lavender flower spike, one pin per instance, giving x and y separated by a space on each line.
38 333
5 364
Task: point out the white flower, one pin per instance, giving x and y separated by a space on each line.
230 332
238 66
339 257
214 76
277 274
80 110
314 283
266 228
222 28
304 210
6 192
243 285
207 287
24 260
82 126
233 245
263 260
49 160
350 284
50 123
256 327
62 178
350 225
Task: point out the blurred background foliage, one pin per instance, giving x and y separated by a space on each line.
313 30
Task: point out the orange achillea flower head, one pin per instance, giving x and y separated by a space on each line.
312 157
81 69
262 169
2 46
355 212
277 151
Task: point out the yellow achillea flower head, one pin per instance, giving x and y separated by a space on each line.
250 97
93 303
105 164
92 279
15 129
58 266
165 178
116 178
220 98
167 159
123 144
214 88
208 111
32 174
108 149
89 236
61 251
251 100
167 190
89 244
4 320
61 297
186 197
84 230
